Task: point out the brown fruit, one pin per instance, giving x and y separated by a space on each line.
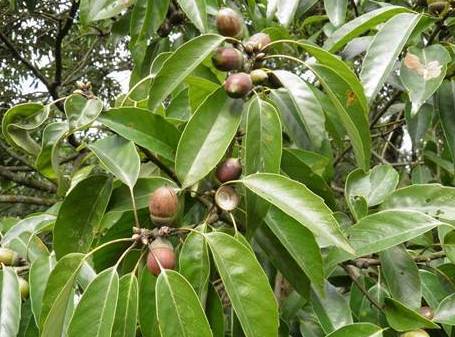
229 23
230 169
227 198
426 312
238 85
415 333
227 59
8 257
258 41
163 205
259 76
161 256
24 288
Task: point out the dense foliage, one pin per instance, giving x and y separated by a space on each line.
276 168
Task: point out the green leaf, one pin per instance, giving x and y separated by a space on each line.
19 121
95 10
384 50
282 260
215 312
52 134
263 143
127 307
146 18
331 308
434 287
179 311
179 65
336 11
297 201
246 285
28 245
419 124
120 157
402 318
147 305
58 296
27 327
445 100
145 128
38 276
33 224
445 313
194 262
10 303
81 111
120 200
196 11
350 110
95 312
402 276
306 106
286 10
422 72
300 243
295 164
207 137
80 214
373 186
432 199
382 230
358 330
359 25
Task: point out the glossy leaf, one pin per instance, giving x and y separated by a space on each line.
336 11
95 10
422 72
402 318
402 276
147 16
10 303
127 307
207 137
33 224
262 153
148 321
331 308
297 201
360 25
358 330
215 312
120 157
19 121
58 295
38 276
246 285
80 111
445 99
196 11
445 312
144 128
432 199
179 65
384 50
286 10
95 312
300 243
194 262
80 214
179 311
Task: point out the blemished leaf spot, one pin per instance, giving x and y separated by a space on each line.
431 70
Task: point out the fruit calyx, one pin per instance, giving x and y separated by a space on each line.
227 198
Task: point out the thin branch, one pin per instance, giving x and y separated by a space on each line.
19 158
439 27
25 199
356 10
154 159
27 180
364 263
16 168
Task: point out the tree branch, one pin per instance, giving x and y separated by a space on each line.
25 199
154 159
27 181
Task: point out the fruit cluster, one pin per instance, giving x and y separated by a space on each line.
242 60
9 257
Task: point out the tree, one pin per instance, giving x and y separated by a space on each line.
276 168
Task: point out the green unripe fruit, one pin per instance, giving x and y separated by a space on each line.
228 59
24 288
238 85
161 253
258 41
229 23
8 257
415 333
259 76
163 205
